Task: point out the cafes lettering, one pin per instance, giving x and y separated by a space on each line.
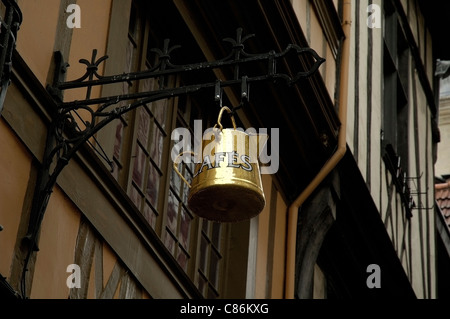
233 159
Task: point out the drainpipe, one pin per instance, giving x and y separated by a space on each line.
292 217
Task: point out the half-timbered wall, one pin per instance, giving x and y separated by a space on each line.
375 88
369 128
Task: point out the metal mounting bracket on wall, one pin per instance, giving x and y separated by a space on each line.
8 38
9 26
65 136
413 184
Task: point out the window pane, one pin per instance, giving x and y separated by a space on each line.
135 196
185 193
202 283
159 110
118 139
205 226
172 212
184 229
175 180
116 169
143 126
139 166
182 258
216 234
203 254
129 56
185 188
169 242
214 268
191 166
157 144
153 185
149 215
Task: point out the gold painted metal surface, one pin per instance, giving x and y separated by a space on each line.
227 186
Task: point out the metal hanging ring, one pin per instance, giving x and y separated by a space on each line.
225 108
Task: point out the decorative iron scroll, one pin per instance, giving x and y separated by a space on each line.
65 136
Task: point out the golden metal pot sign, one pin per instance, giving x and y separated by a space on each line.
226 185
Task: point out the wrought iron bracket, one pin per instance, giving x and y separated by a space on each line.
8 37
393 164
65 136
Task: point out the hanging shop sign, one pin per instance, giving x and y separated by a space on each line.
226 186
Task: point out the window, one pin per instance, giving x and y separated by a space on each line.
210 257
395 105
143 165
395 85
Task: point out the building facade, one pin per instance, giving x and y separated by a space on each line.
349 210
441 174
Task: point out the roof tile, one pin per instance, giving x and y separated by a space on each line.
442 196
